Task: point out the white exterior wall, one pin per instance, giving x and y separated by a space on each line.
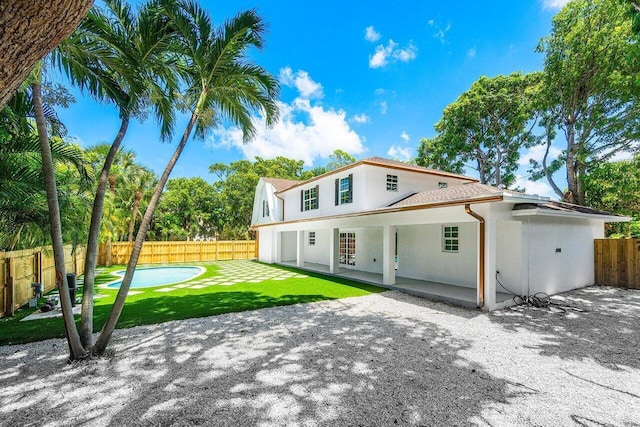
375 185
369 191
288 246
551 271
368 249
265 191
509 251
267 249
420 255
318 253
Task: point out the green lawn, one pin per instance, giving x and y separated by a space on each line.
150 306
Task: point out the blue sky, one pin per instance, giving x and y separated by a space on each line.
370 78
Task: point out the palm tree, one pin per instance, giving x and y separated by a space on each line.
22 200
122 57
220 83
76 349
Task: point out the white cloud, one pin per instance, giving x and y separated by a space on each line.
471 53
399 153
392 53
305 131
360 118
383 107
621 155
370 34
537 153
404 136
439 31
554 4
301 81
541 188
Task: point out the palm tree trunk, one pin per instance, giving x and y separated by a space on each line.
108 328
86 324
73 338
134 214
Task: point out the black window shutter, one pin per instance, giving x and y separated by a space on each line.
337 191
350 187
301 200
317 196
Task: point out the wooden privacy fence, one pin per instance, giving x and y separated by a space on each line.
168 252
617 262
19 269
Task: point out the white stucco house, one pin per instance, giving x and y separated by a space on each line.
427 232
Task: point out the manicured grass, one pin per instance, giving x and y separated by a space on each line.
150 306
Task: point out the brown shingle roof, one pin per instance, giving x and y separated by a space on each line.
408 166
450 194
281 184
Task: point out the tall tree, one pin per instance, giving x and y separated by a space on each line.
186 210
236 186
484 129
29 29
76 349
590 91
615 187
220 83
122 56
23 212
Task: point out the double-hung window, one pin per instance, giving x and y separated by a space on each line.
450 236
344 190
265 208
309 199
392 182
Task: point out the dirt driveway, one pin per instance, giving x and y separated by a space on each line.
382 359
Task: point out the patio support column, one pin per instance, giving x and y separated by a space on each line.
334 250
388 255
278 246
300 249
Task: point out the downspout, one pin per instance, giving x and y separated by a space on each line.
467 209
278 197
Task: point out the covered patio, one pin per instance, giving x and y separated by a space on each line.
458 295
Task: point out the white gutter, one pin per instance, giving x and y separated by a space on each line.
562 214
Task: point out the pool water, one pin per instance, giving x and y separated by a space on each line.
158 276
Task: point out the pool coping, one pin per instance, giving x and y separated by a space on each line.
107 285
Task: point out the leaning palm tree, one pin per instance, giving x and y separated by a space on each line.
220 83
124 57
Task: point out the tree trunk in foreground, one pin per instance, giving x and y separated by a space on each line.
29 29
109 326
86 325
73 339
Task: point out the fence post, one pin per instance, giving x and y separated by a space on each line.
9 289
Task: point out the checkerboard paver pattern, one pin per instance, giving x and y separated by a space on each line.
232 272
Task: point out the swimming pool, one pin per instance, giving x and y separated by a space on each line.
158 276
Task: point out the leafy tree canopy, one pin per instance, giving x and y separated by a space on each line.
484 129
186 210
590 90
615 187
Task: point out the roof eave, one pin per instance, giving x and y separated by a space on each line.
524 198
385 210
560 214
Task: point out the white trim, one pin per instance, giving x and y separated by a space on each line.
561 214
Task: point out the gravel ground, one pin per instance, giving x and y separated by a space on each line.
382 359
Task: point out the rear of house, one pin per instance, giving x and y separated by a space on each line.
428 232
